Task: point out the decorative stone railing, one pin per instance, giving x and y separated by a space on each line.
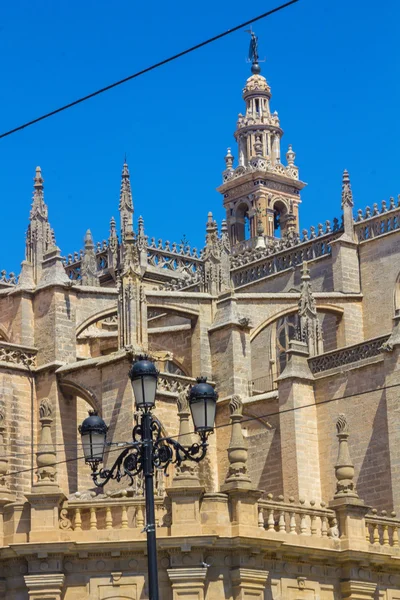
174 384
263 165
371 224
9 279
108 514
17 355
347 355
277 516
72 264
173 257
382 530
261 263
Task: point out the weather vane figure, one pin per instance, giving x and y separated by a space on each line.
253 53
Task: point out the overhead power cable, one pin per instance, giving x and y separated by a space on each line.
122 445
148 69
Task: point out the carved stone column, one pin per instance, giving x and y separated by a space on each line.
243 497
349 508
187 583
186 490
46 497
45 586
186 474
237 476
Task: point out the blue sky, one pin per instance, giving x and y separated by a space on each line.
334 72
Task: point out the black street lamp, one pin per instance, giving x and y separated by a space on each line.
149 449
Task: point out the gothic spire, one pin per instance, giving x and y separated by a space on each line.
347 194
347 206
88 264
310 331
126 202
39 236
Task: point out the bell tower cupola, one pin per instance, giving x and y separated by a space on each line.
261 195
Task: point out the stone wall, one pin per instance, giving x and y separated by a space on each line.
379 270
366 411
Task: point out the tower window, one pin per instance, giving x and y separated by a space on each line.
257 106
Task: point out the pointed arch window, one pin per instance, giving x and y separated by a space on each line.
286 330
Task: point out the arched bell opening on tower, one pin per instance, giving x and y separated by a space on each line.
280 218
244 223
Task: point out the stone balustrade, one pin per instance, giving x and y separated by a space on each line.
174 384
279 517
381 529
347 355
110 514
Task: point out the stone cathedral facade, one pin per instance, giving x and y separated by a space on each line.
299 496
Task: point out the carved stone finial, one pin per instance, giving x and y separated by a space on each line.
237 475
290 156
183 402
45 409
342 425
236 406
229 160
344 468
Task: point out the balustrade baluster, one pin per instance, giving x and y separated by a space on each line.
385 535
109 520
367 533
124 518
271 520
376 534
78 520
292 523
314 530
395 536
324 526
303 524
139 516
260 517
282 523
93 518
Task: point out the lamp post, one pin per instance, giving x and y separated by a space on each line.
148 449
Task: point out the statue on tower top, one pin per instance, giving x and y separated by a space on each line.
253 53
